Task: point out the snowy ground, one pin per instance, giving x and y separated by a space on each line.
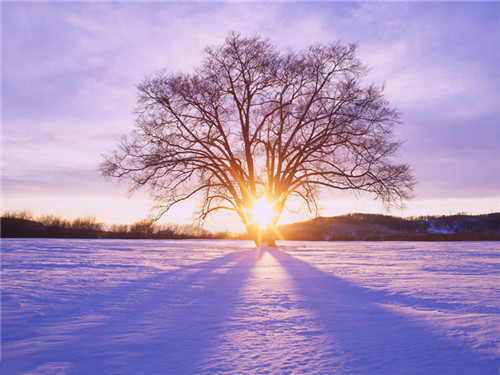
208 307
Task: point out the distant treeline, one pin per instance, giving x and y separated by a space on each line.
23 224
352 227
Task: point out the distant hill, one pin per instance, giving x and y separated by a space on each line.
19 228
369 227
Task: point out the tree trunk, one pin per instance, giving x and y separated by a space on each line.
271 242
255 233
257 241
260 236
269 237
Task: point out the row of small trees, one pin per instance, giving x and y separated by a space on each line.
86 223
24 223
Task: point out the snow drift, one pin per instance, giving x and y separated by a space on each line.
205 307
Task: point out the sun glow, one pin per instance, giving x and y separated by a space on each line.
262 212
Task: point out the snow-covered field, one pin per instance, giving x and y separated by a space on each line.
209 307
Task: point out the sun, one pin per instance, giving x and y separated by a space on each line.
262 212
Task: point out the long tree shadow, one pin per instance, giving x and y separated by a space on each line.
164 324
372 338
176 333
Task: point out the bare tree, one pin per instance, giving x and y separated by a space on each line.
87 224
23 214
254 124
143 228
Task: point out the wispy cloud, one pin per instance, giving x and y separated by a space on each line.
70 71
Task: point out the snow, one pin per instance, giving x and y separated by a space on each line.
209 307
439 229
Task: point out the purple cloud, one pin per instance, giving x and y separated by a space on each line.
70 70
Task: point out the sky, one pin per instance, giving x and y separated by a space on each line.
70 71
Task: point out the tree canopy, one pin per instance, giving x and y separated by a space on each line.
253 122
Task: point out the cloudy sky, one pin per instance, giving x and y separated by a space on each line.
70 70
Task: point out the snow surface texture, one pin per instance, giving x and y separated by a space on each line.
209 307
